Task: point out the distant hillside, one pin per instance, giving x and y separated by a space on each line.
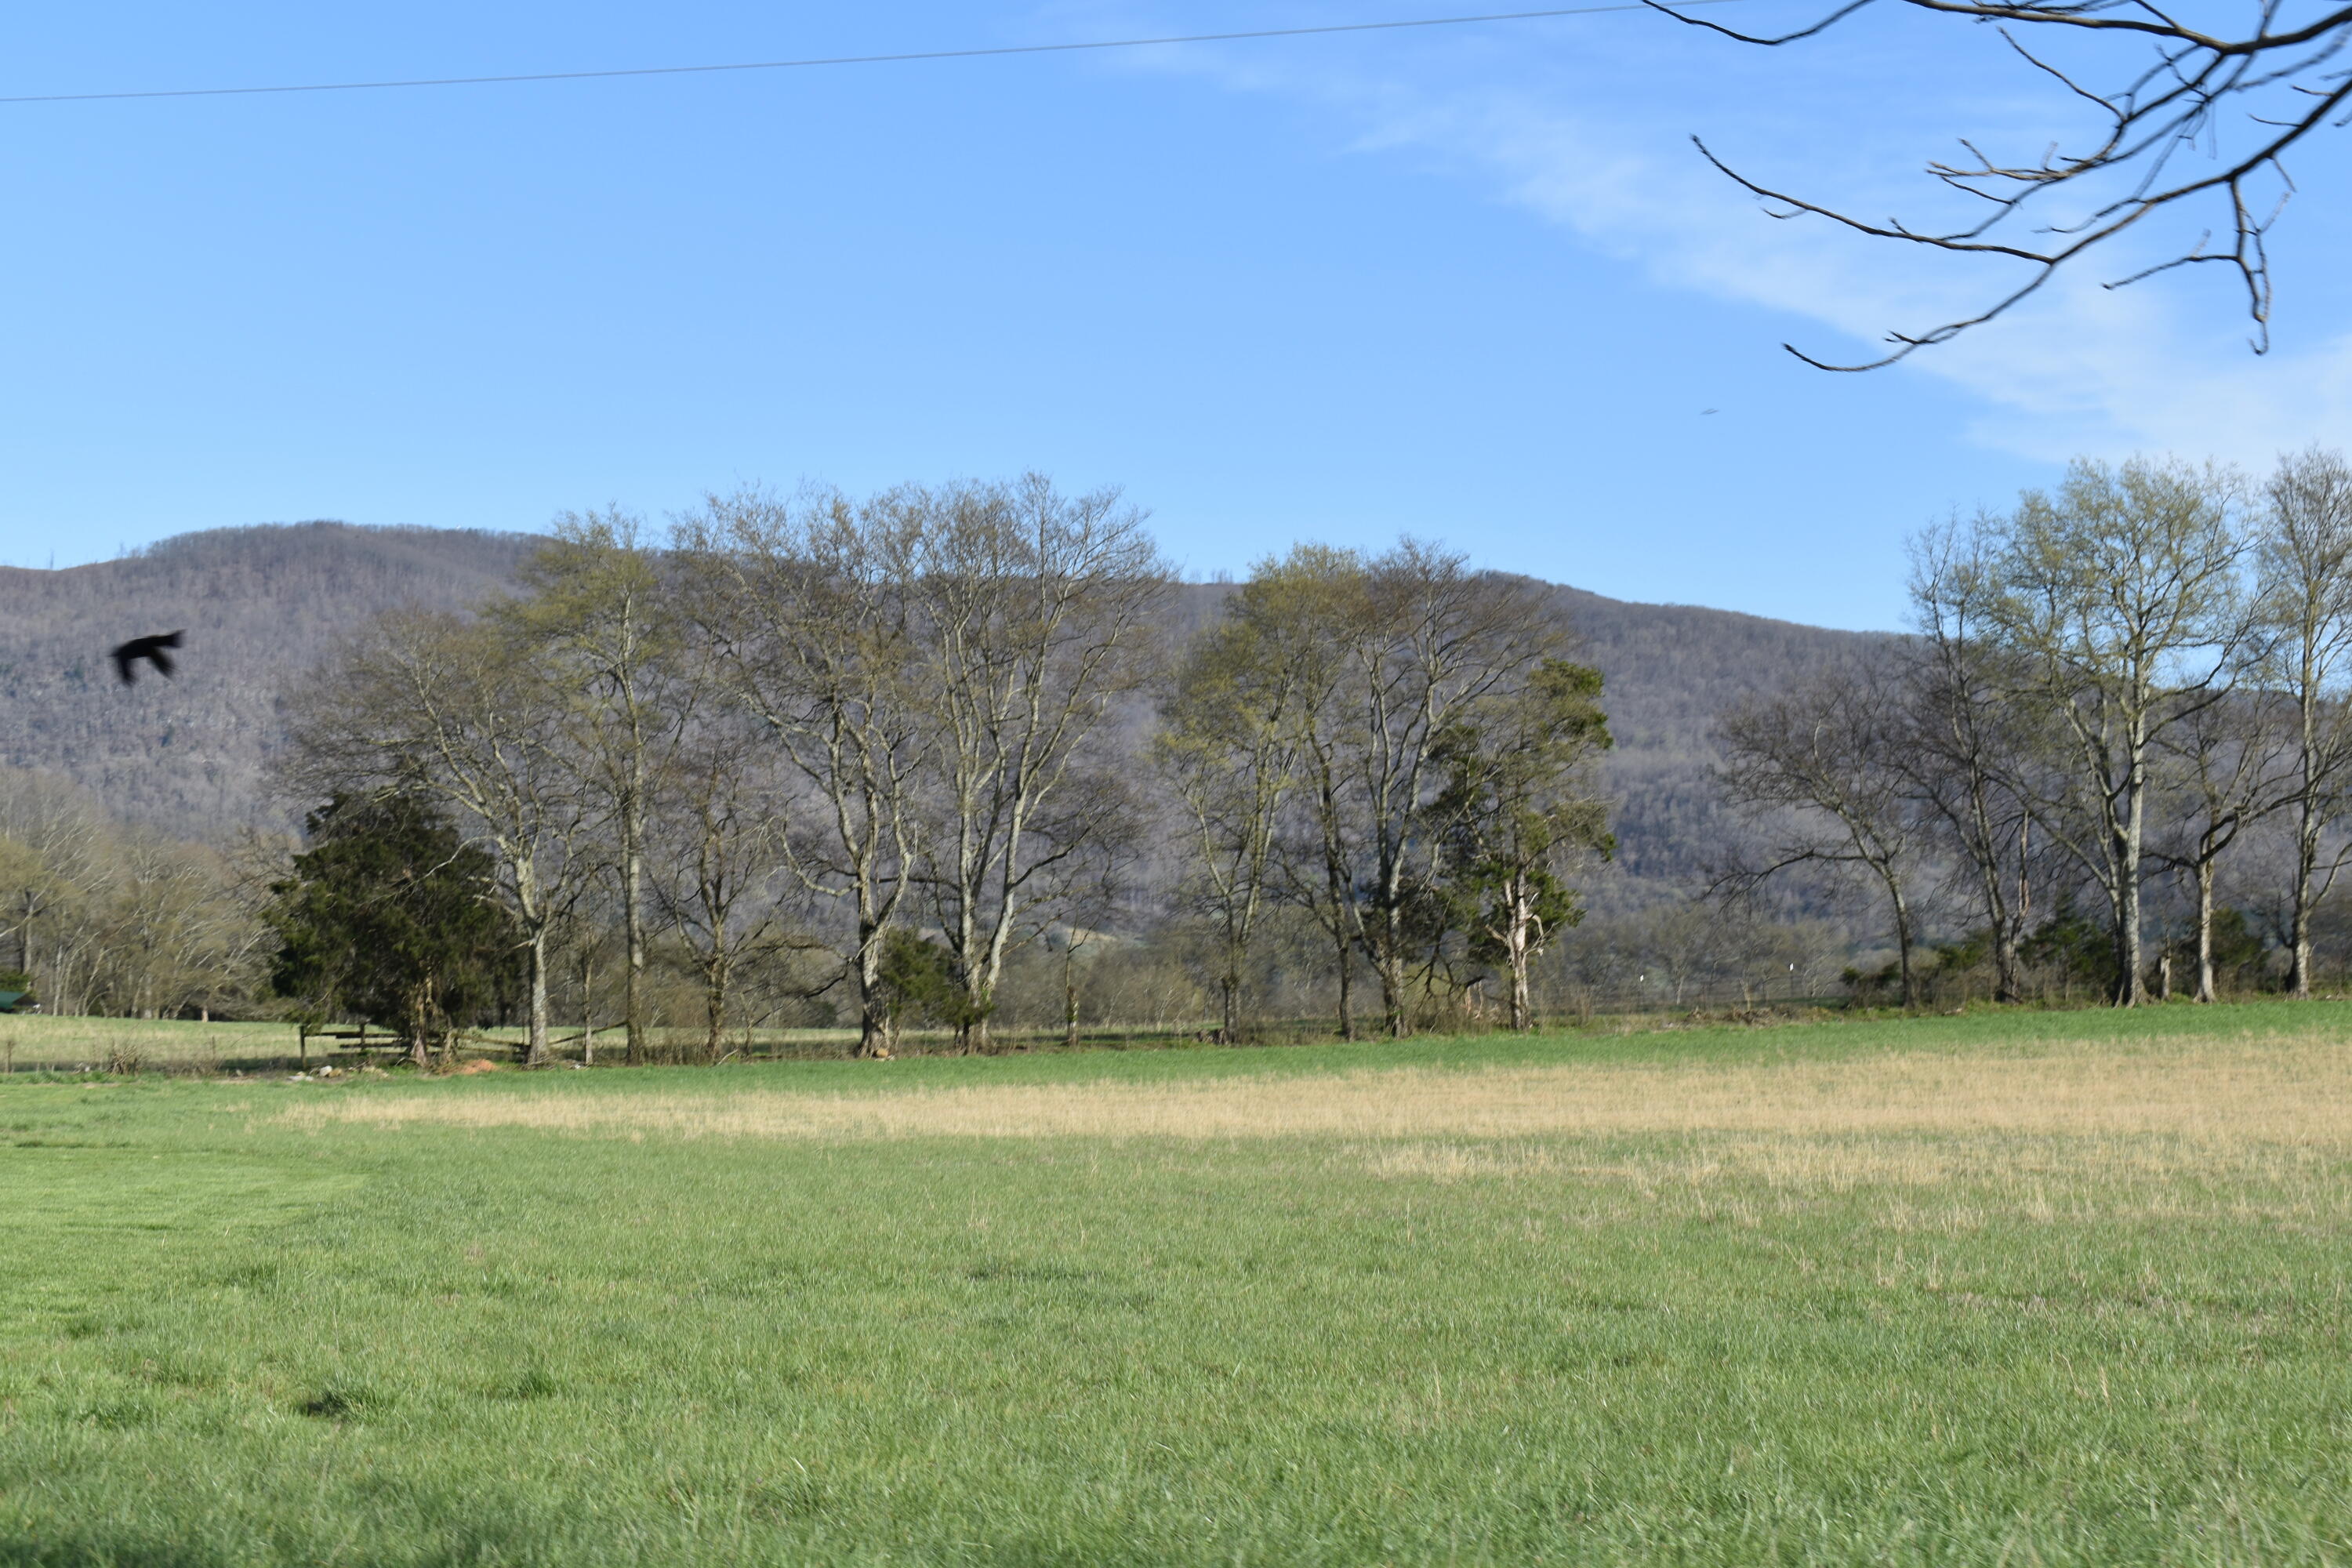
261 605
1670 669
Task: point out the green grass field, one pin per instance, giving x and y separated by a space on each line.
2037 1289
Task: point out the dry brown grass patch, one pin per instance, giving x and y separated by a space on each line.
2294 1091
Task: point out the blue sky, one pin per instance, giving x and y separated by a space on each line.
1470 283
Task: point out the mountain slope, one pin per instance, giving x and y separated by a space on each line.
259 605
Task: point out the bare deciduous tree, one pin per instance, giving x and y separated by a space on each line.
596 598
806 612
1314 606
720 853
1032 612
2121 595
2303 555
1975 757
1436 644
1229 741
52 855
171 928
118 918
1819 764
2230 763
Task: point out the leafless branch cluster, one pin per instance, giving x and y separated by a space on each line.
2189 93
98 917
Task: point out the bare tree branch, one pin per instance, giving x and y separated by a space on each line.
2178 101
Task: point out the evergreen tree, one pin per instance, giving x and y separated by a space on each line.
1519 801
384 919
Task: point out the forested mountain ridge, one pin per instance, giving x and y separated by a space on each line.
261 605
1670 669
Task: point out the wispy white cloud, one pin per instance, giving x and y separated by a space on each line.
2079 368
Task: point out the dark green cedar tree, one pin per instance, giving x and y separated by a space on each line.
384 919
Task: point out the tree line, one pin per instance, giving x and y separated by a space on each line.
2134 686
879 750
98 917
942 759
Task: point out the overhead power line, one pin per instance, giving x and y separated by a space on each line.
846 59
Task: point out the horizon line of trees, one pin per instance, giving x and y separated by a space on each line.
2140 677
936 759
886 748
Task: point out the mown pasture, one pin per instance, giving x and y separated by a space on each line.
2050 1288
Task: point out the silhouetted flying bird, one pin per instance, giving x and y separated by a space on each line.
149 648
